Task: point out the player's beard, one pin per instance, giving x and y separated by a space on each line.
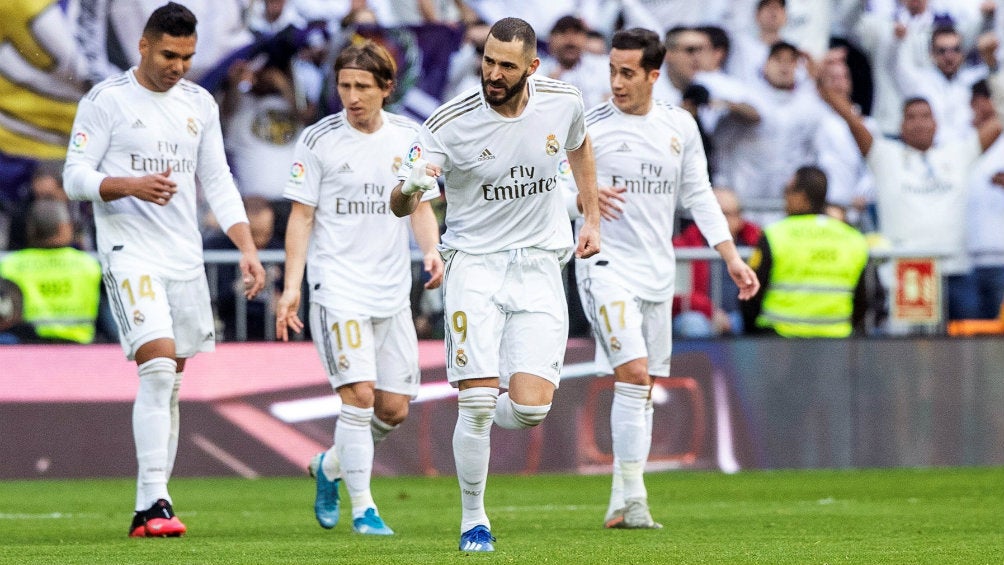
509 92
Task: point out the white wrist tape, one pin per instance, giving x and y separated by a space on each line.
418 180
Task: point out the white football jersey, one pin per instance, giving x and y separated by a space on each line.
358 259
122 129
660 160
502 187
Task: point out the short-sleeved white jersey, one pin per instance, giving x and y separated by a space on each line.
501 173
358 259
921 196
660 160
122 129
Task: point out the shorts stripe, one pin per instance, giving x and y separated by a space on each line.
447 323
115 300
329 355
589 308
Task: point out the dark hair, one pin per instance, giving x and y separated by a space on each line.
171 18
512 29
673 34
940 30
762 3
652 50
44 220
911 100
782 46
719 38
569 23
981 88
368 56
811 181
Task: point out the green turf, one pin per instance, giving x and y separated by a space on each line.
901 516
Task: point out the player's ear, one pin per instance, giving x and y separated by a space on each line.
534 64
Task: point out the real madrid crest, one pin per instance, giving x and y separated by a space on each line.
138 318
397 164
615 344
551 146
192 127
343 363
675 146
461 358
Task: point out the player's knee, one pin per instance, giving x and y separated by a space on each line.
391 415
476 405
633 372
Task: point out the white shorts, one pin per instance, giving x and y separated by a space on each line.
356 348
148 307
505 313
626 327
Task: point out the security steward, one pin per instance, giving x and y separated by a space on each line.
810 267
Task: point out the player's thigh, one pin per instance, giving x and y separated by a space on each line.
192 314
397 354
345 344
616 318
536 329
140 305
657 327
473 320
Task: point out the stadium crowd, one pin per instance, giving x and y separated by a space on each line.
774 85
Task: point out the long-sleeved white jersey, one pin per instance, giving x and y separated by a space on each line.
123 129
659 159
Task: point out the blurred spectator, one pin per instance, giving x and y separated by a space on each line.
465 63
61 286
47 184
899 30
849 182
684 47
922 186
11 312
730 102
268 17
751 49
567 60
942 81
260 128
663 15
309 72
810 268
983 291
759 160
230 288
697 314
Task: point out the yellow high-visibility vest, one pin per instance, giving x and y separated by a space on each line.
61 289
816 264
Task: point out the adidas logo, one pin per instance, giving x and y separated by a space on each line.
486 155
344 169
623 148
138 124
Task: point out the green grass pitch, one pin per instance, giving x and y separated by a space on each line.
894 516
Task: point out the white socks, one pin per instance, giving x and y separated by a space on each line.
152 426
380 429
631 434
354 449
172 441
512 416
472 450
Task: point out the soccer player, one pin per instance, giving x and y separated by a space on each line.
140 140
649 158
507 237
359 268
